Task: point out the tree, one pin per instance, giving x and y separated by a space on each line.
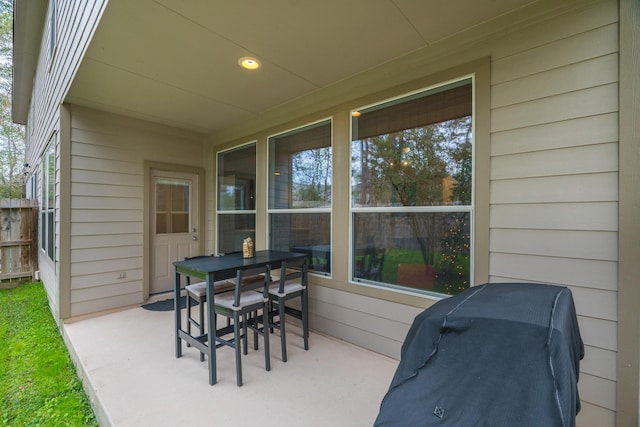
312 176
12 147
423 166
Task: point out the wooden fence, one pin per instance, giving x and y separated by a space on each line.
18 240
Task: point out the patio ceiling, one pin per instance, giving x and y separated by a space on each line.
175 62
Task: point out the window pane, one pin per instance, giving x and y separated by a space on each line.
43 230
51 179
162 194
48 201
50 233
421 250
180 197
414 152
172 206
179 222
236 179
233 229
300 168
43 186
303 232
161 223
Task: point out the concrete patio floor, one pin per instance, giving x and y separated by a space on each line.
127 362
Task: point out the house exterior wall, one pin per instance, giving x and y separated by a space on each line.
108 155
628 367
61 51
554 178
553 184
551 166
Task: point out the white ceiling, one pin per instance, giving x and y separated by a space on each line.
175 61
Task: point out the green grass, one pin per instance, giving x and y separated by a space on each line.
38 382
454 282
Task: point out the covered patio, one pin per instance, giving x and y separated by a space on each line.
126 360
531 166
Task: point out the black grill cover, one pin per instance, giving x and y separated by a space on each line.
503 354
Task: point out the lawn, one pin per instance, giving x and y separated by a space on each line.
450 278
38 382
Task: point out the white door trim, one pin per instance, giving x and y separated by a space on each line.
149 166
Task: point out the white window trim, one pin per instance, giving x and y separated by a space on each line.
235 211
328 209
471 209
50 151
53 31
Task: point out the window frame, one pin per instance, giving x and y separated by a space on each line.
471 209
313 210
48 199
53 31
219 211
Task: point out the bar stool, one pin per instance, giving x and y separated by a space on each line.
198 292
243 305
292 284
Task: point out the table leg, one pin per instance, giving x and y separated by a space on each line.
211 330
177 311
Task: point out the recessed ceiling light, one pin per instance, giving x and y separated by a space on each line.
249 63
355 114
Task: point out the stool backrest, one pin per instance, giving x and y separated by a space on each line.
252 279
293 270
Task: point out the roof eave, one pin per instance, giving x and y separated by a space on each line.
28 24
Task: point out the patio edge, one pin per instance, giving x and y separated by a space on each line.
102 416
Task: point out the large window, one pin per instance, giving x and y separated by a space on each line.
47 200
236 197
411 190
300 193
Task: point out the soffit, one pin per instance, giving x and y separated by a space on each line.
175 62
28 19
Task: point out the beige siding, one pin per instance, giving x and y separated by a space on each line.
593 416
368 322
107 204
588 130
551 269
554 191
596 216
76 21
553 179
593 187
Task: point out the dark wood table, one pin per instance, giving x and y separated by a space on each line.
211 269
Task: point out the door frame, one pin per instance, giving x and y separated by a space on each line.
150 166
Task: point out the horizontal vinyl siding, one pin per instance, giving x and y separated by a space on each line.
554 179
107 203
593 187
553 213
594 416
597 216
368 322
76 21
588 130
552 269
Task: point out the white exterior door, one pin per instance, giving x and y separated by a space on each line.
174 224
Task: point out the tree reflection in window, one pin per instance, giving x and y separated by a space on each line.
300 193
424 166
412 178
311 178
